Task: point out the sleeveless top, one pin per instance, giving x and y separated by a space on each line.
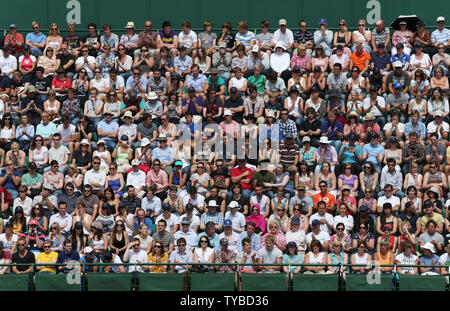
316 260
53 44
385 261
361 37
294 112
369 204
175 179
279 204
80 88
289 186
114 184
262 203
368 180
238 83
39 157
391 242
122 156
205 257
320 62
361 260
6 133
349 182
97 244
172 112
328 181
167 132
27 63
419 107
435 107
435 178
120 244
340 39
305 180
51 109
100 154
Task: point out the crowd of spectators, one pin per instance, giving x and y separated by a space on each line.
296 147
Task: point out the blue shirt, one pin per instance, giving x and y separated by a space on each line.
335 128
372 151
142 83
420 129
108 127
165 156
380 61
296 259
147 221
426 261
256 240
89 268
403 59
349 157
9 184
46 130
29 129
196 83
33 38
182 64
440 36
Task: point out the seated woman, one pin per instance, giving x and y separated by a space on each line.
437 102
362 35
361 257
388 237
292 257
368 178
384 256
56 237
407 258
336 257
418 103
82 158
49 62
428 258
109 197
434 179
357 83
306 176
279 237
393 150
342 237
439 80
320 59
203 253
420 84
408 234
54 40
328 176
365 237
52 105
350 180
299 211
346 198
257 218
178 178
316 256
411 197
115 180
158 256
74 177
280 217
123 154
386 218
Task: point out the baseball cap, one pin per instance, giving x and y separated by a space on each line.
323 21
295 220
255 48
32 222
178 163
363 208
403 23
439 113
185 221
233 204
135 162
222 45
189 207
227 113
306 139
301 187
291 244
233 90
400 46
430 247
191 89
440 19
13 26
282 22
223 241
87 250
398 64
397 85
227 223
315 222
145 141
84 141
48 186
166 207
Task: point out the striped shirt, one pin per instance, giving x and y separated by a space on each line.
288 154
245 39
440 36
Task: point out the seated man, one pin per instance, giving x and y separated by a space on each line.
108 130
181 255
212 215
316 234
269 255
393 177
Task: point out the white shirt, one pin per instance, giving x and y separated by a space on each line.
323 236
280 62
195 221
299 237
375 111
327 217
233 241
199 201
171 221
189 236
406 260
151 205
119 83
90 59
8 64
431 128
137 257
400 126
238 220
63 221
96 177
284 38
393 200
66 133
27 205
58 154
347 221
136 179
187 40
8 245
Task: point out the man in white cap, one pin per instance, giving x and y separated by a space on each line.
47 199
324 36
284 36
325 153
438 126
137 178
214 215
441 35
280 62
164 154
229 126
237 218
108 130
89 257
154 107
398 75
128 129
257 57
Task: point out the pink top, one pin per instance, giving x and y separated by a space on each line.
160 180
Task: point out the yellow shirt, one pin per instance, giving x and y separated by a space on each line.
152 259
436 217
47 258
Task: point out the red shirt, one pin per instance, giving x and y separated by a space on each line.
56 83
237 171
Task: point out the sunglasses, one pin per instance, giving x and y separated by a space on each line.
362 227
296 209
48 246
144 50
157 246
203 241
96 162
341 24
21 244
180 245
361 25
339 229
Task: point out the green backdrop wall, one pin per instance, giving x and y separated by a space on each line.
119 12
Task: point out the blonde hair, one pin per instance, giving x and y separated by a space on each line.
57 28
343 21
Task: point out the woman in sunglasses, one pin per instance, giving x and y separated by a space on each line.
203 253
362 258
370 202
342 235
7 132
54 40
363 236
49 62
158 256
362 35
